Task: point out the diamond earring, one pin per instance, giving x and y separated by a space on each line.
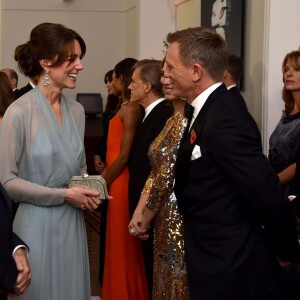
46 79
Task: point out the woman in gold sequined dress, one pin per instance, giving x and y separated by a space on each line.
158 200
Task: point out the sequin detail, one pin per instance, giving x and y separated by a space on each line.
169 268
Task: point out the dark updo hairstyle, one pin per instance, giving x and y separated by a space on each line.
6 93
49 41
125 69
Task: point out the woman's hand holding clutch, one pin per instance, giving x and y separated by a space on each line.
82 198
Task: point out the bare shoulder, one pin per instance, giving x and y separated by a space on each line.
131 109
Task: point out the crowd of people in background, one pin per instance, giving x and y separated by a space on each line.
195 209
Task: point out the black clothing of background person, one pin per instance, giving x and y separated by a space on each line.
139 169
235 92
20 92
112 106
108 114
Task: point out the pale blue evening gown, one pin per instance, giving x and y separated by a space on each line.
38 158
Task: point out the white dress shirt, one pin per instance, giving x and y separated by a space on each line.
201 99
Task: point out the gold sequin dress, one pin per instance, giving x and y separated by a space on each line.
169 268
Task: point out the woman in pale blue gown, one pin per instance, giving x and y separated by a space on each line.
41 149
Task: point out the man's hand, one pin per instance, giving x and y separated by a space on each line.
24 277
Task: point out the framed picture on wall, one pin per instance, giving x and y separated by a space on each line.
228 18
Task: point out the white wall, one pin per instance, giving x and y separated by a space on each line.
156 20
253 58
282 36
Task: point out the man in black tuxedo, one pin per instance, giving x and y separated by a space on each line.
236 218
233 75
14 267
146 90
13 79
232 78
28 87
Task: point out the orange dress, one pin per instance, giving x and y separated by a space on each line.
124 271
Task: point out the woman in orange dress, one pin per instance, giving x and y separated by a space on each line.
124 271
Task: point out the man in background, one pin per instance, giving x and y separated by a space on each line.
13 79
233 74
232 78
28 87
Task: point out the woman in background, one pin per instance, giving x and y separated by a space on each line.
111 108
6 94
42 142
158 200
284 150
124 272
285 139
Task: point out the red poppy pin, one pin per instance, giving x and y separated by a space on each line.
193 136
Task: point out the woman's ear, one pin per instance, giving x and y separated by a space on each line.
45 64
121 79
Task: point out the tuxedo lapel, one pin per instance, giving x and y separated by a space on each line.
148 121
194 134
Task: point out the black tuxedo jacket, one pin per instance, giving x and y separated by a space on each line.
235 92
8 241
236 218
138 164
23 90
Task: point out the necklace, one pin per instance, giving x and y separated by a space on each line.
125 102
288 118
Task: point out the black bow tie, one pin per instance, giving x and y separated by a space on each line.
188 111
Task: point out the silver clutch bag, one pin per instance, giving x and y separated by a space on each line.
93 182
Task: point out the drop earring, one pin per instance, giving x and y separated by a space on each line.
46 79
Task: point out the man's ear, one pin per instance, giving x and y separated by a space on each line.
225 74
14 81
197 72
148 87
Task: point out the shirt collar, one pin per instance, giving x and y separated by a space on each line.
201 99
32 84
231 86
151 106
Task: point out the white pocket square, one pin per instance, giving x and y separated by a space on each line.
196 152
